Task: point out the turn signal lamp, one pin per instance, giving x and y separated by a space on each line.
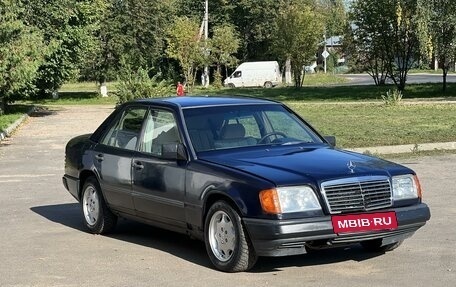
269 200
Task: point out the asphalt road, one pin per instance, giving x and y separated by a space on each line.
365 79
43 241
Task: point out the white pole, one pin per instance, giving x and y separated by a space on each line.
324 58
206 32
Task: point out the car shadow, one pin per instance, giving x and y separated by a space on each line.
180 245
314 258
40 111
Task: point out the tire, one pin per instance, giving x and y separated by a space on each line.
226 239
268 85
375 246
231 86
97 216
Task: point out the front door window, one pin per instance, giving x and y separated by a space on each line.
160 129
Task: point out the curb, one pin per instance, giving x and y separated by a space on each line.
408 148
9 130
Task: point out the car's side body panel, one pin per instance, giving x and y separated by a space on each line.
113 167
159 189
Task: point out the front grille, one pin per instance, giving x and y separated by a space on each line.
357 194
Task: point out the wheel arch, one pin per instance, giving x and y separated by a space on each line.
215 196
83 176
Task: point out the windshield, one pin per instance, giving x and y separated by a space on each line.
215 128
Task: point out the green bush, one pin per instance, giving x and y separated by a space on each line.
217 80
392 97
137 85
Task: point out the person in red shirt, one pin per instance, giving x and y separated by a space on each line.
180 91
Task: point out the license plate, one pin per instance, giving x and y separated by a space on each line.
364 222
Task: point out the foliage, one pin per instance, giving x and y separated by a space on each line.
385 34
21 53
217 80
224 44
256 22
299 31
335 17
68 28
185 46
365 41
392 97
137 85
437 32
133 30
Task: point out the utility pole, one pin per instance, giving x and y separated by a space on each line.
206 32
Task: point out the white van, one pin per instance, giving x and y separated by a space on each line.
255 74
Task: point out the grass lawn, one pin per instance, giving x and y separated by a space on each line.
354 114
14 113
364 125
78 98
336 93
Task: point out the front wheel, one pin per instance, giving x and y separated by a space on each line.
226 239
97 216
376 245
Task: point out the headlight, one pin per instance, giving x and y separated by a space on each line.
406 187
289 199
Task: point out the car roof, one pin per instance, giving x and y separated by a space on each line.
204 101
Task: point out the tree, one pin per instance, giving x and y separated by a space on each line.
335 16
437 32
364 41
256 22
387 33
299 29
185 46
67 26
21 53
134 31
224 44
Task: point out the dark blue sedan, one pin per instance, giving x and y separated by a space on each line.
249 177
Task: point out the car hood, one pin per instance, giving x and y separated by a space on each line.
304 165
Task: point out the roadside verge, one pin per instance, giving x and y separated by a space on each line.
9 130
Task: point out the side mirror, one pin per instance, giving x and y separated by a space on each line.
173 151
331 140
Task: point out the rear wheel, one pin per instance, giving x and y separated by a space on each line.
227 242
376 245
230 85
97 216
268 85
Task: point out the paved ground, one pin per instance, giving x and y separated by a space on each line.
365 79
43 242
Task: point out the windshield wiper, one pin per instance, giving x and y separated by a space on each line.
296 142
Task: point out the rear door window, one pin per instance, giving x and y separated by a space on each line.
125 131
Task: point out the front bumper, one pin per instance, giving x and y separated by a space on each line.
290 237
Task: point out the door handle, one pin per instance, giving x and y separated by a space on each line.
138 165
99 157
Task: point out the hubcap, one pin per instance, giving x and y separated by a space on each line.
222 236
91 205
